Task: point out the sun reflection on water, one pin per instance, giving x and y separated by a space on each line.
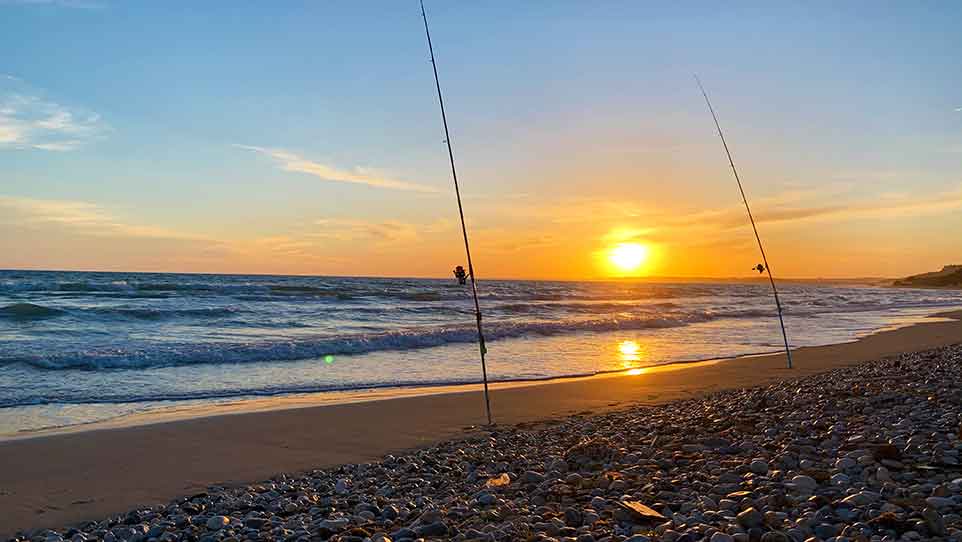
631 353
629 350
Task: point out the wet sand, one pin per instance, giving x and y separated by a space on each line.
63 478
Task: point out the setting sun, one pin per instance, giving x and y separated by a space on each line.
628 257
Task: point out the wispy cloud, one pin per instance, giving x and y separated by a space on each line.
608 221
90 219
834 203
888 206
351 229
958 109
75 4
28 121
289 161
506 241
79 217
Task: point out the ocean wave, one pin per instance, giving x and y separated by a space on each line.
253 290
160 314
421 296
586 307
150 395
280 289
166 353
28 311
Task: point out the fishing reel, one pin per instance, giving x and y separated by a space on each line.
461 275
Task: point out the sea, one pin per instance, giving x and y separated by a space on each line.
84 347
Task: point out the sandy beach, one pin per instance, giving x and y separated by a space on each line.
262 262
60 479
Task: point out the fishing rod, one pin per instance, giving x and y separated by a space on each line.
731 162
464 229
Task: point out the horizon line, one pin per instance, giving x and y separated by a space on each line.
647 278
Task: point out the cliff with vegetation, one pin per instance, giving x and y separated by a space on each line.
949 277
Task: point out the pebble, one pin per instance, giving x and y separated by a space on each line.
750 518
939 502
845 463
859 454
805 483
532 477
216 523
934 521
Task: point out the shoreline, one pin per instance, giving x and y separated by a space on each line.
57 479
297 400
184 409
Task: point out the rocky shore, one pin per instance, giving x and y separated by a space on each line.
869 453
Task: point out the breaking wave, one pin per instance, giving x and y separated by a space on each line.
166 354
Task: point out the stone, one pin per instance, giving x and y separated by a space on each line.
438 528
635 511
559 465
404 533
825 531
498 481
939 502
390 512
750 517
840 479
934 521
861 498
573 517
845 463
827 443
215 523
532 477
335 524
255 523
804 483
487 499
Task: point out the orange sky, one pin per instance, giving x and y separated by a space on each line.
565 238
253 148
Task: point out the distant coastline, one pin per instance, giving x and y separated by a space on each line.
949 277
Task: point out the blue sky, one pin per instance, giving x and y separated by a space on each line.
304 136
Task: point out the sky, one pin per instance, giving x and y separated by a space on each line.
305 138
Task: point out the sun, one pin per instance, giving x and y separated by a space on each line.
628 257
